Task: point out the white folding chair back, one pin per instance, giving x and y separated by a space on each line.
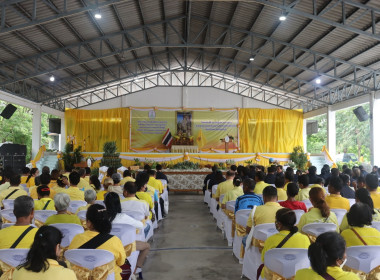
68 231
352 201
286 262
8 203
100 202
164 182
376 225
227 222
339 214
263 231
241 218
8 214
213 201
25 187
299 213
102 172
42 215
307 203
75 204
316 229
13 257
82 215
159 211
7 225
230 205
207 197
135 214
90 258
125 232
363 258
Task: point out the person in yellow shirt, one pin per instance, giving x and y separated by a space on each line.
266 213
372 182
53 179
225 186
319 213
127 177
73 191
110 171
62 184
319 183
25 173
303 183
45 181
280 185
235 192
24 212
95 183
289 177
260 184
326 255
14 190
287 236
44 202
334 199
142 194
107 183
83 184
7 174
62 203
90 198
361 233
154 182
42 260
98 223
88 174
34 172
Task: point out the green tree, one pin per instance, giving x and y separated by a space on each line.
316 141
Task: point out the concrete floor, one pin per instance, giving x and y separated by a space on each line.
187 245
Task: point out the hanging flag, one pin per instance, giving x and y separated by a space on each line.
328 157
167 139
201 139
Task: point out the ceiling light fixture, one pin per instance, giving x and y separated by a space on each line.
282 17
318 81
52 78
98 15
251 58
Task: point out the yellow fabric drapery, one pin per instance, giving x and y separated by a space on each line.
270 130
92 128
7 271
98 273
374 274
40 154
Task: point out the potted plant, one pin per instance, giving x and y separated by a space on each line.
299 158
110 156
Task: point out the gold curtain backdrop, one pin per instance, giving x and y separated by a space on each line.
260 130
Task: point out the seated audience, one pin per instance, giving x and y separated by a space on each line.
334 173
62 184
320 212
291 201
359 183
287 236
209 178
159 174
44 201
361 233
225 186
153 182
34 172
73 191
116 177
280 171
42 260
24 211
131 202
249 199
319 183
83 183
260 184
45 180
346 191
99 227
127 177
109 173
280 184
24 174
95 183
372 182
334 199
303 183
325 172
89 197
326 256
233 194
312 173
101 194
266 213
115 215
53 178
62 203
363 196
142 194
219 178
289 178
270 177
13 191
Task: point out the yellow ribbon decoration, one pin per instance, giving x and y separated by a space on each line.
5 221
130 248
240 230
7 271
374 274
38 223
271 275
98 273
258 243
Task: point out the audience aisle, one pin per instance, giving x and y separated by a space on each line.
188 246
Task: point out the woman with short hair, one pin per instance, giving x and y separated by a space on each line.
89 197
327 256
42 259
62 203
98 223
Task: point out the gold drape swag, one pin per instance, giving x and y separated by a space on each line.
374 274
98 273
7 271
130 248
271 275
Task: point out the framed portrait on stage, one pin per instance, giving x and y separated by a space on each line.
183 120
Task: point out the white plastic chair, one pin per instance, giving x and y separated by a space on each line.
252 256
8 203
376 225
363 258
7 225
82 215
135 214
102 172
25 187
90 258
299 213
352 201
307 203
316 229
42 215
206 198
339 214
13 257
218 216
241 218
8 214
159 208
286 261
68 231
213 201
227 222
100 202
75 204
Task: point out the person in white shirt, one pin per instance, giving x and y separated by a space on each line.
116 177
115 215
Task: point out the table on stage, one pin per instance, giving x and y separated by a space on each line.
183 180
184 148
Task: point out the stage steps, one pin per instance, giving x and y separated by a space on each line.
50 159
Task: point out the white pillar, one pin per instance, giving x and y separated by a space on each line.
36 130
374 105
331 132
304 134
185 95
62 136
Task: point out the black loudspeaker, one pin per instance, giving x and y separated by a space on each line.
55 126
8 111
361 114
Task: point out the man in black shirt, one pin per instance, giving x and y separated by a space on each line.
346 191
210 177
